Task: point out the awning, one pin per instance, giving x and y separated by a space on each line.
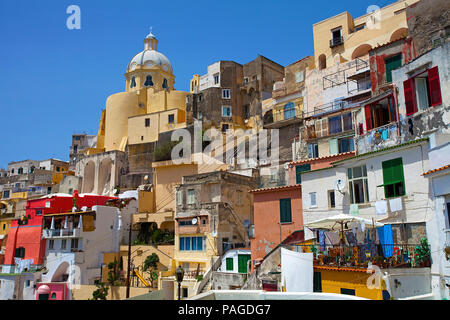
377 98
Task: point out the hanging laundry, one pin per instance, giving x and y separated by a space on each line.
396 204
351 239
386 240
363 226
381 207
385 134
322 240
354 210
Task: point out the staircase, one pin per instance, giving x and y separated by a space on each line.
207 286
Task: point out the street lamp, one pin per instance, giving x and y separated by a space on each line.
179 274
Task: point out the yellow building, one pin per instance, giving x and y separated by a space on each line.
150 105
343 38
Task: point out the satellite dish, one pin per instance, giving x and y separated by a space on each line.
214 233
146 178
194 221
339 185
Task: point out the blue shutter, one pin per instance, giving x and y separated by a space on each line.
181 243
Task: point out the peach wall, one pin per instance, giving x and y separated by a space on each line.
266 206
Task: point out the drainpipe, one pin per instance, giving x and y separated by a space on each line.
394 89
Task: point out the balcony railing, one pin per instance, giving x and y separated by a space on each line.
378 138
336 41
359 256
57 233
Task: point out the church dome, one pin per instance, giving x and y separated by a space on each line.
150 57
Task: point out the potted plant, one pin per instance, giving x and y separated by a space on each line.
423 253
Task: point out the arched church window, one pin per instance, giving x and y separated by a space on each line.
133 82
148 81
20 171
164 85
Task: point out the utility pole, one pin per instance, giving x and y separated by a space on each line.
129 261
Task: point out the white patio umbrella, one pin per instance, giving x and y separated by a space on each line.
52 226
337 222
65 223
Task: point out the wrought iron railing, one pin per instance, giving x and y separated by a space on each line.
385 256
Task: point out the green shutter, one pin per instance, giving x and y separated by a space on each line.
230 266
242 262
393 174
285 210
391 64
299 169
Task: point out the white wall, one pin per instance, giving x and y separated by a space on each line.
232 254
417 205
207 80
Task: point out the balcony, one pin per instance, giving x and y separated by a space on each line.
61 233
359 256
336 41
281 117
378 138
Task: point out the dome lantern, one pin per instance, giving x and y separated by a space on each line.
150 41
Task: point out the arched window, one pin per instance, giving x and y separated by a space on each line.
164 85
148 81
53 295
20 171
289 111
32 169
133 82
322 62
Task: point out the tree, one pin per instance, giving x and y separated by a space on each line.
151 264
102 291
113 273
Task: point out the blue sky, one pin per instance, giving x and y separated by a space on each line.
54 81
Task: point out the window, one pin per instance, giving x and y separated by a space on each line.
200 98
148 81
336 37
164 84
53 295
358 187
58 169
285 210
299 169
70 190
20 171
184 293
51 244
422 91
380 113
147 122
133 82
12 170
350 292
225 127
313 199
346 145
200 115
226 111
238 197
192 243
77 138
313 150
347 121
229 264
216 78
331 199
5 194
226 93
39 212
19 252
246 112
74 244
185 223
334 125
63 244
191 196
289 111
171 118
393 178
299 76
391 64
28 283
360 27
180 197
